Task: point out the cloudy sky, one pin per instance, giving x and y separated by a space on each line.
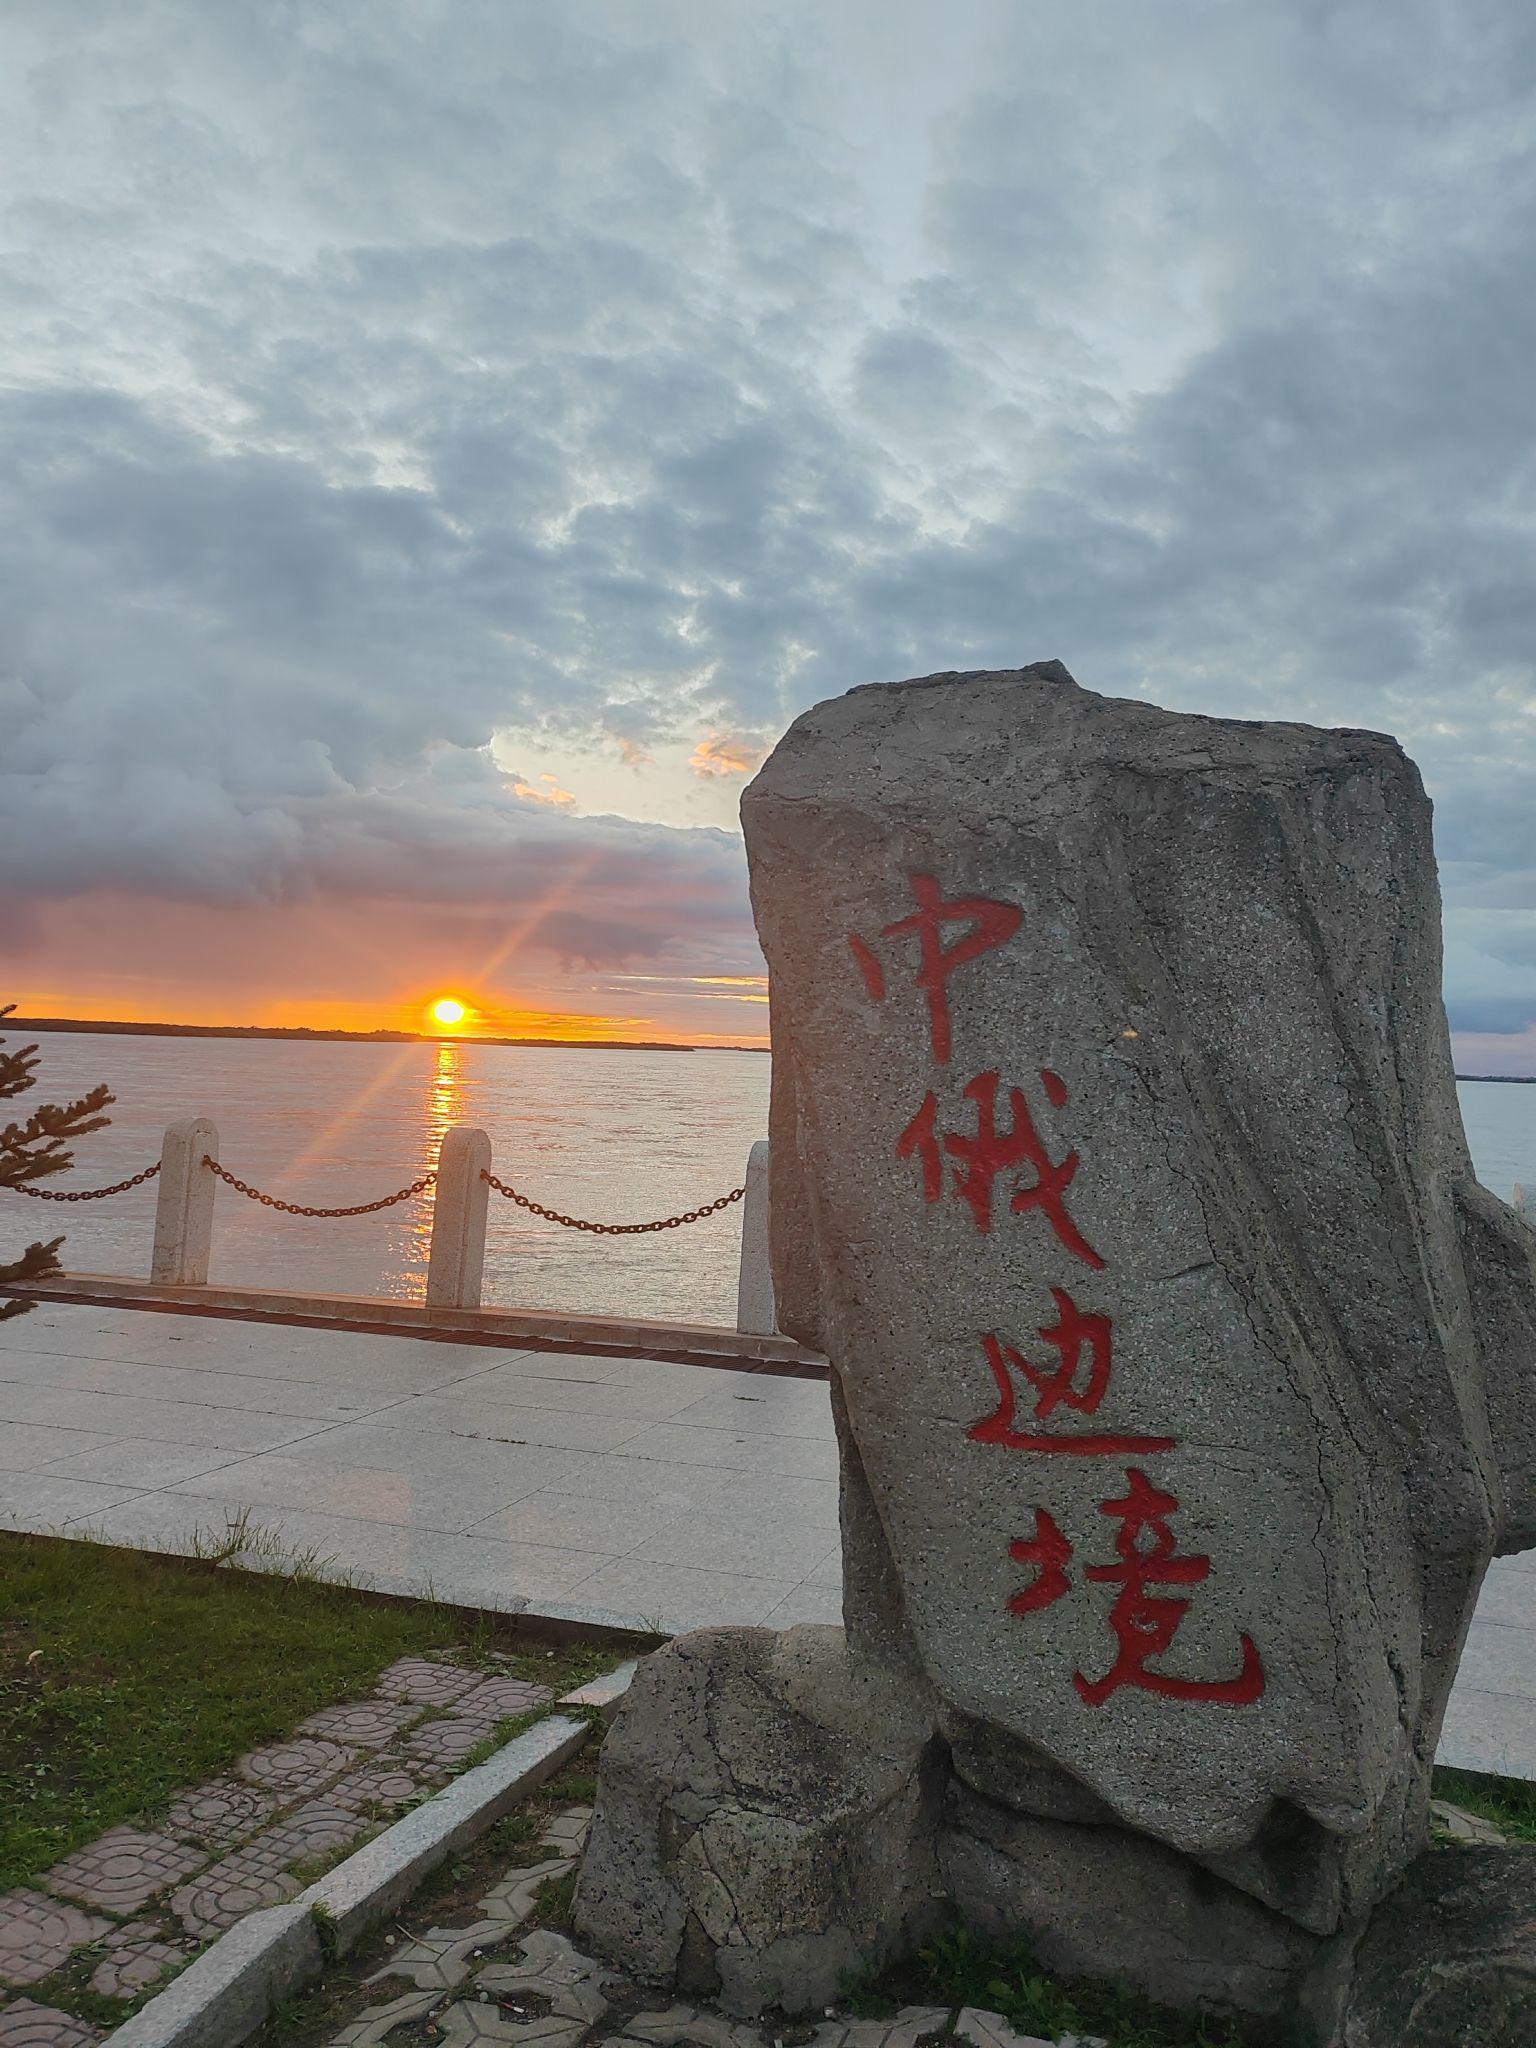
442 445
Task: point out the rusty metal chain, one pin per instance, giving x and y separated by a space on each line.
610 1229
88 1194
306 1209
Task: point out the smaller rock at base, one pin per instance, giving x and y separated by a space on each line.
1449 1960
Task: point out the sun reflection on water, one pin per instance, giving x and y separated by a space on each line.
445 1103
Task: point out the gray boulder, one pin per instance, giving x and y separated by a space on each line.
1185 1379
764 1826
1185 1369
1450 1962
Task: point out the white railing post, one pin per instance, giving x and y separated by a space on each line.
184 1204
457 1258
755 1311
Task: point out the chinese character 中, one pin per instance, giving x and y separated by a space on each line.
991 924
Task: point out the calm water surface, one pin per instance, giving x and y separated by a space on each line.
620 1137
616 1136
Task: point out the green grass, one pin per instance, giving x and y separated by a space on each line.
125 1678
1510 1803
963 1968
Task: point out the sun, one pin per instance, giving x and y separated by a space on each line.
448 1010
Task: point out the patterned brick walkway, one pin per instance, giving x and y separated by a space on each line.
119 1915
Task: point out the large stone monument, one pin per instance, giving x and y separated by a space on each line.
1184 1376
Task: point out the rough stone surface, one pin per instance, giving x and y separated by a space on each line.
1118 1169
37 1934
761 1828
1450 1960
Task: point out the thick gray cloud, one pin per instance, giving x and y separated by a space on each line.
383 378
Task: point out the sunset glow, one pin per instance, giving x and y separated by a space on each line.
448 1010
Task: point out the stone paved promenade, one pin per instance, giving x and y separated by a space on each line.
656 1495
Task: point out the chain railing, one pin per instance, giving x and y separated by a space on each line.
307 1209
87 1194
462 1180
612 1229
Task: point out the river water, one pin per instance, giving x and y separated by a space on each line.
616 1136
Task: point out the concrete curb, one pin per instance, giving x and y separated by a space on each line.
223 1997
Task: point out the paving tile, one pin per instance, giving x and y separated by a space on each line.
37 1934
122 1869
501 1698
173 1523
828 1571
28 1446
320 1827
480 2025
220 1813
760 1544
425 1682
367 1724
300 1765
674 2024
991 2030
386 1784
551 1967
143 1461
579 1393
705 1488
677 1597
1490 1732
257 1875
449 1741
1499 1657
797 1408
185 1422
1508 1597
569 1828
807 1603
375 2026
136 1954
39 1501
514 1898
389 1480
573 1521
756 1451
29 2025
461 1416
214 1386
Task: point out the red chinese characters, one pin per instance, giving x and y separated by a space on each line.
969 1164
990 922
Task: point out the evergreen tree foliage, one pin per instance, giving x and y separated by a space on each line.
32 1150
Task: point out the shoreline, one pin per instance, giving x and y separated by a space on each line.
305 1034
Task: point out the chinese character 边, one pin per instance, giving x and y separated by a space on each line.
1071 1335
